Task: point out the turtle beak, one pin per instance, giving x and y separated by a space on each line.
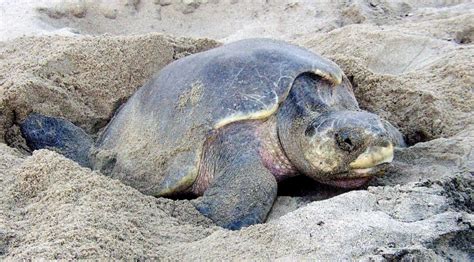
373 156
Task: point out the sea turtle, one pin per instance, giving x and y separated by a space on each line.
227 125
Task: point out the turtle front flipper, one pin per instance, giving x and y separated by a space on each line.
60 135
241 190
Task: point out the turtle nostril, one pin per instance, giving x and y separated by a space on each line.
348 141
344 141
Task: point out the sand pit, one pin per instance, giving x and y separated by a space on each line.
409 62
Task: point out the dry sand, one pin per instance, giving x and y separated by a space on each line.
409 61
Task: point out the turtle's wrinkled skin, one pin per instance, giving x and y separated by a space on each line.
228 124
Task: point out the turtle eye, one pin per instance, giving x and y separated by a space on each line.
310 130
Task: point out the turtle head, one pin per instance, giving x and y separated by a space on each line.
328 138
345 148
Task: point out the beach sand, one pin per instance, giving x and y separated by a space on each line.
411 62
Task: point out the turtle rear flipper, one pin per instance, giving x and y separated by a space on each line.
60 135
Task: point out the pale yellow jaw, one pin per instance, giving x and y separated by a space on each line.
373 156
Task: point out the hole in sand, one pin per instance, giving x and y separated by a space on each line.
353 82
303 186
297 192
465 36
415 137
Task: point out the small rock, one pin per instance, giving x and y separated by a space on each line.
110 13
162 2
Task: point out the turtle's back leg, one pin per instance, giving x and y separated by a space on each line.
59 135
241 190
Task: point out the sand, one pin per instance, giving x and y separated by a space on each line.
409 61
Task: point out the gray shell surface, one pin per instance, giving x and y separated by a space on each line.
154 142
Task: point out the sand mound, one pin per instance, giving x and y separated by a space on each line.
76 213
226 20
55 209
84 79
418 81
410 62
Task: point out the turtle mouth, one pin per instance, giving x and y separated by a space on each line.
372 162
373 156
350 182
355 178
370 172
